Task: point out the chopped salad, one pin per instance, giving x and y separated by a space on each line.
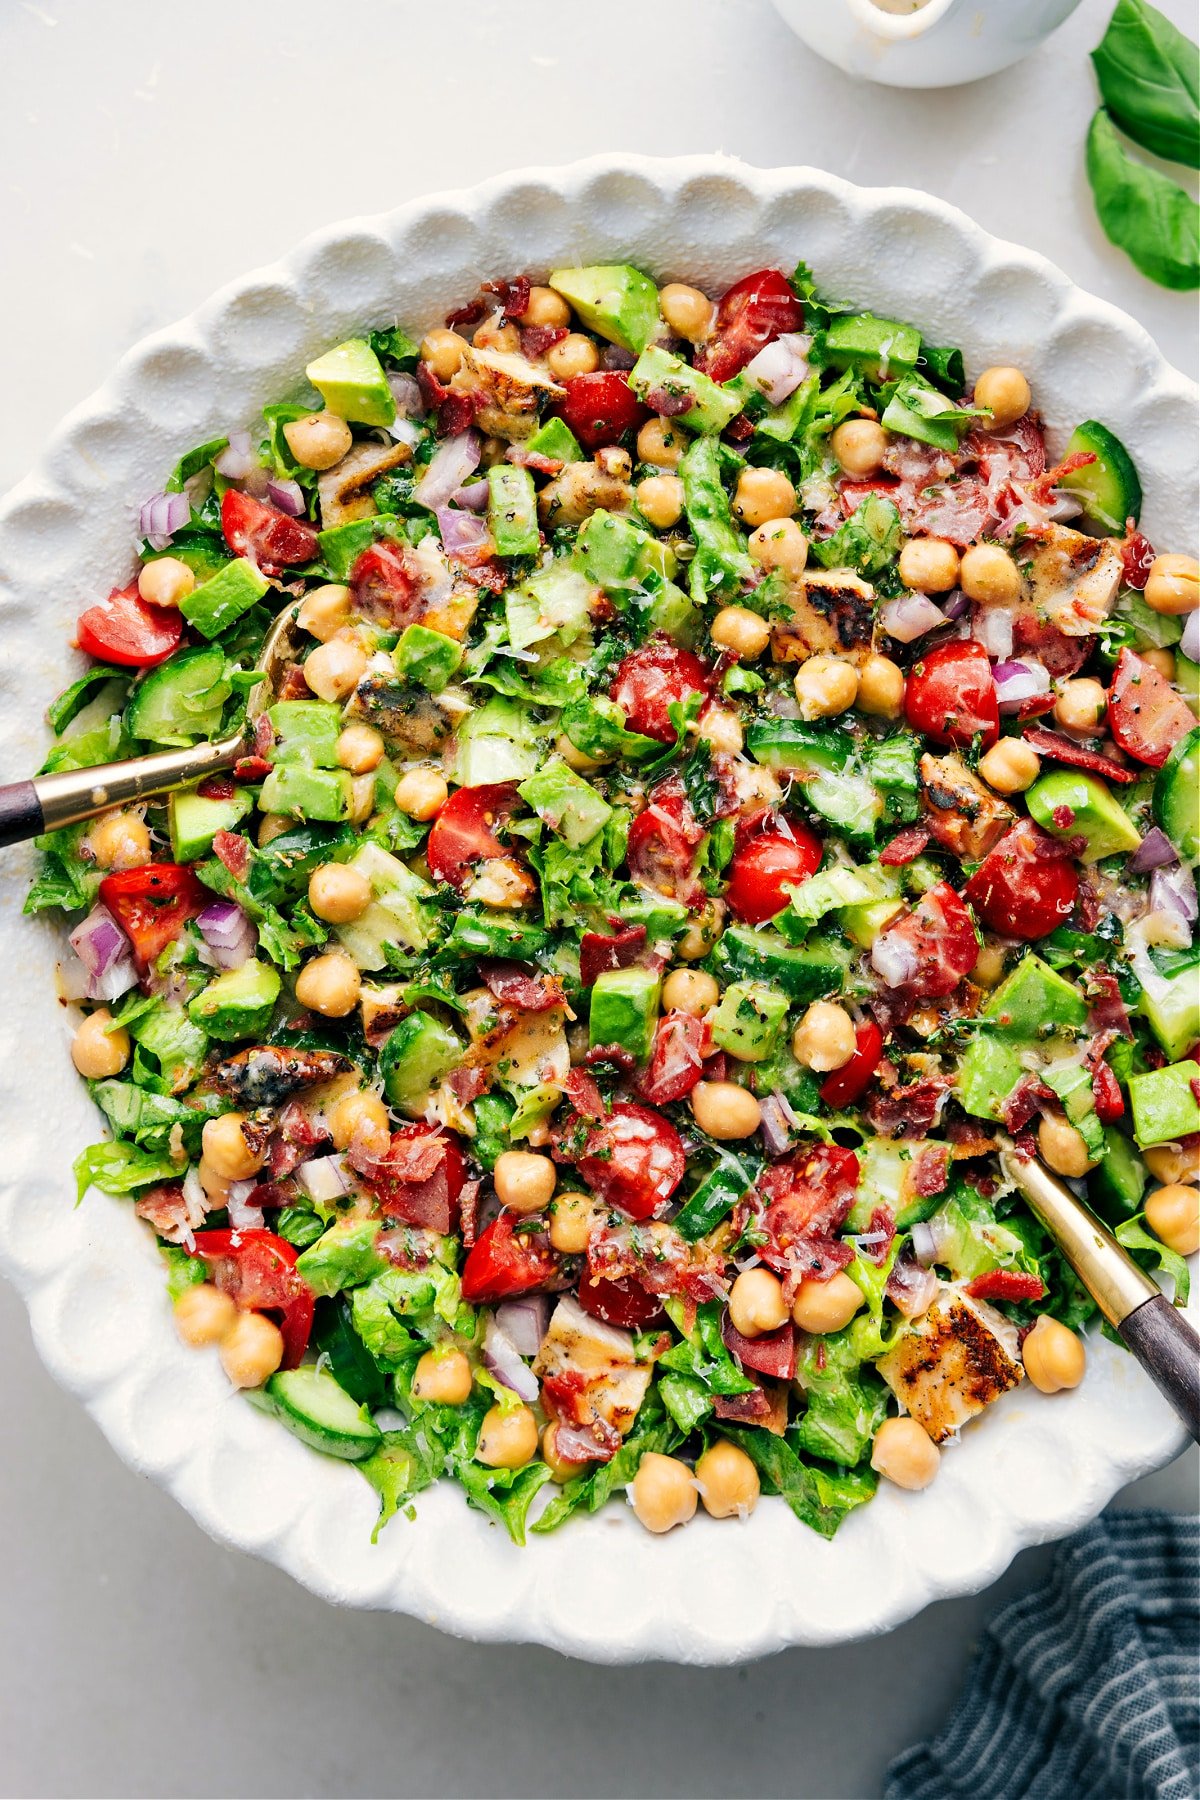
735 775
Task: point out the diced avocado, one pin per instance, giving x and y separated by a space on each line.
1072 1082
398 914
1165 1107
512 510
612 551
414 1058
711 407
497 742
989 1071
1117 1183
427 658
614 300
803 971
1177 796
182 700
825 892
878 348
555 602
505 935
350 379
213 606
321 1413
1067 803
566 802
662 918
863 924
195 820
1034 1002
238 1003
305 793
556 440
673 611
340 546
747 1021
1109 487
306 731
1174 1012
624 1010
342 1257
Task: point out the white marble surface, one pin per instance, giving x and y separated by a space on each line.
150 153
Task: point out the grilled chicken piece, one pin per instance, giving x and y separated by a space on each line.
344 490
511 388
268 1075
957 1359
447 601
1072 580
613 1383
500 882
410 719
527 1048
383 1007
582 489
964 816
831 613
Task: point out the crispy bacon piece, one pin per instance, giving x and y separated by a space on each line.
584 1095
1107 1011
765 1404
1006 1284
171 1215
419 1180
1064 750
930 1170
1137 558
908 1111
470 314
514 986
232 849
294 1138
513 295
535 341
1024 1103
905 846
598 953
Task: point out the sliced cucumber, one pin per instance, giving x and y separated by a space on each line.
181 701
1109 487
1177 796
827 779
321 1413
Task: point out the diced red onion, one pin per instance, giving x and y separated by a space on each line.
324 1178
288 496
911 1288
229 933
162 516
237 458
1156 851
1017 682
243 1216
613 357
463 533
924 1245
893 959
955 604
910 617
524 1322
406 392
500 1355
575 1444
1174 891
99 941
780 367
994 630
474 496
1189 643
776 1137
453 460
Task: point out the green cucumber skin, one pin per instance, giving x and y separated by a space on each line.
352 1438
1176 799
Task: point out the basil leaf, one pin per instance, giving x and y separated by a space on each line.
1142 212
1148 74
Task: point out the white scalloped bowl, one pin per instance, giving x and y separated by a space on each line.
602 1588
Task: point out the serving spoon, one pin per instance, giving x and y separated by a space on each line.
1135 1306
28 808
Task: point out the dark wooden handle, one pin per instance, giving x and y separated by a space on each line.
1169 1351
20 812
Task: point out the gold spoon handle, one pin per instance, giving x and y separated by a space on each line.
28 808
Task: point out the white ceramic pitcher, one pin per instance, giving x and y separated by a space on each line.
923 43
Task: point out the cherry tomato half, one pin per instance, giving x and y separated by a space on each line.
761 870
652 679
258 1271
931 948
153 904
601 407
385 586
662 844
1022 888
1146 715
264 534
464 832
676 1061
751 315
846 1084
124 630
421 1177
503 1262
633 1159
951 697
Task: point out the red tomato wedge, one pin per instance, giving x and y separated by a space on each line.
927 952
1145 714
752 313
602 407
662 844
258 1271
153 904
464 832
502 1263
761 870
1025 887
809 1196
385 586
633 1159
264 534
677 1060
124 630
951 696
847 1083
653 678
1065 750
621 1303
773 1353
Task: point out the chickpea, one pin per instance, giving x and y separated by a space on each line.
334 669
1080 706
1010 766
1173 585
740 632
989 576
577 759
495 334
204 1315
524 1181
989 966
703 932
338 893
881 687
614 460
1054 1357
686 311
728 1482
443 350
661 442
165 581
825 686
545 307
763 494
689 991
929 565
360 1117
421 793
508 1438
663 1492
273 825
1162 660
97 1051
724 1109
324 611
319 440
251 1350
216 1187
1006 394
329 984
1173 1163
660 500
1173 1214
119 841
1061 1148
561 1468
824 1306
571 356
722 729
779 544
359 749
226 1150
824 1039
443 1378
573 1218
905 1454
756 1303
858 445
